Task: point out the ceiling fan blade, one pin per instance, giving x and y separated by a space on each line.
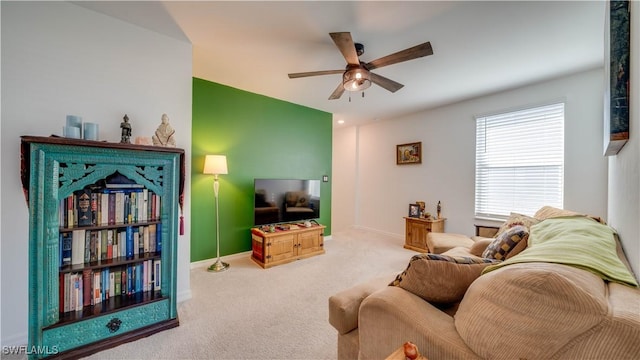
337 92
315 73
345 44
385 82
404 55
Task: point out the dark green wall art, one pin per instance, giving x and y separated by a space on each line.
262 137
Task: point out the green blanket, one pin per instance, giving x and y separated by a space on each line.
576 241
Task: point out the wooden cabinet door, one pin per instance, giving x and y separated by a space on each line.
416 234
281 247
309 242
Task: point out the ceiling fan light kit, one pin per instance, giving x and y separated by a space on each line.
356 79
357 76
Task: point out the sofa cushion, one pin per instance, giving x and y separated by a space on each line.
516 219
530 311
505 243
440 278
438 243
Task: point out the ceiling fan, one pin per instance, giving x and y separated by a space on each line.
358 76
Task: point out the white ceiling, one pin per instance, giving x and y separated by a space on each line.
479 47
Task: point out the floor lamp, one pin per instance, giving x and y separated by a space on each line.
216 165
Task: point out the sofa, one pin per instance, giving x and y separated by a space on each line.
568 294
298 205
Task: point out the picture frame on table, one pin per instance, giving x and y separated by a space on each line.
410 153
414 210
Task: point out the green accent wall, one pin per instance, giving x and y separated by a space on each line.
262 137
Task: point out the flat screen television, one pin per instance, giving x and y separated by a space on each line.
286 200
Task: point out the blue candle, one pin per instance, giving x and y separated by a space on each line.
91 131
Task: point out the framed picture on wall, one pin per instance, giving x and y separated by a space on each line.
617 67
409 153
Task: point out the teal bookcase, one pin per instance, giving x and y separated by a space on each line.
62 322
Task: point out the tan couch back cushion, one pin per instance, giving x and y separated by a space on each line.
530 311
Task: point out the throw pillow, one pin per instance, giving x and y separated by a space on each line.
440 279
303 201
506 242
517 219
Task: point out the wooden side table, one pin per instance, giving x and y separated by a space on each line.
416 231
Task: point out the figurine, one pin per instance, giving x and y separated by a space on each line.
439 210
164 134
126 130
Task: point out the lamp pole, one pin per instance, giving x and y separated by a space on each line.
219 265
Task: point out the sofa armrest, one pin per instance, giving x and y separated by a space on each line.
344 306
393 316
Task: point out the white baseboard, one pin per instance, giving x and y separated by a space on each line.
207 262
393 235
183 296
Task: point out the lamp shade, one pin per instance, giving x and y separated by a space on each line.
215 164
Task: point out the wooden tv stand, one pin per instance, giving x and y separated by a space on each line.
283 246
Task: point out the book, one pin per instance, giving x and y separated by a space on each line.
83 207
112 284
97 287
66 243
94 207
87 278
157 275
152 238
87 246
67 292
117 283
159 237
94 246
129 242
77 246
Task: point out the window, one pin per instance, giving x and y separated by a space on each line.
519 161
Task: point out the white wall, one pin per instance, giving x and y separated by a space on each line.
344 167
447 172
59 59
624 168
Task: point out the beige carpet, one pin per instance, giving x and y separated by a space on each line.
279 313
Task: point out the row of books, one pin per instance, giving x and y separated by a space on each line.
82 246
97 206
92 287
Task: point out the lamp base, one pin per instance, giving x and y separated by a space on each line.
218 266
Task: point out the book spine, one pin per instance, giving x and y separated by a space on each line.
130 285
86 287
112 284
94 208
97 287
67 292
159 238
87 246
77 247
157 275
112 209
83 207
66 243
129 242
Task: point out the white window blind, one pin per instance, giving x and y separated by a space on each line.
519 161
